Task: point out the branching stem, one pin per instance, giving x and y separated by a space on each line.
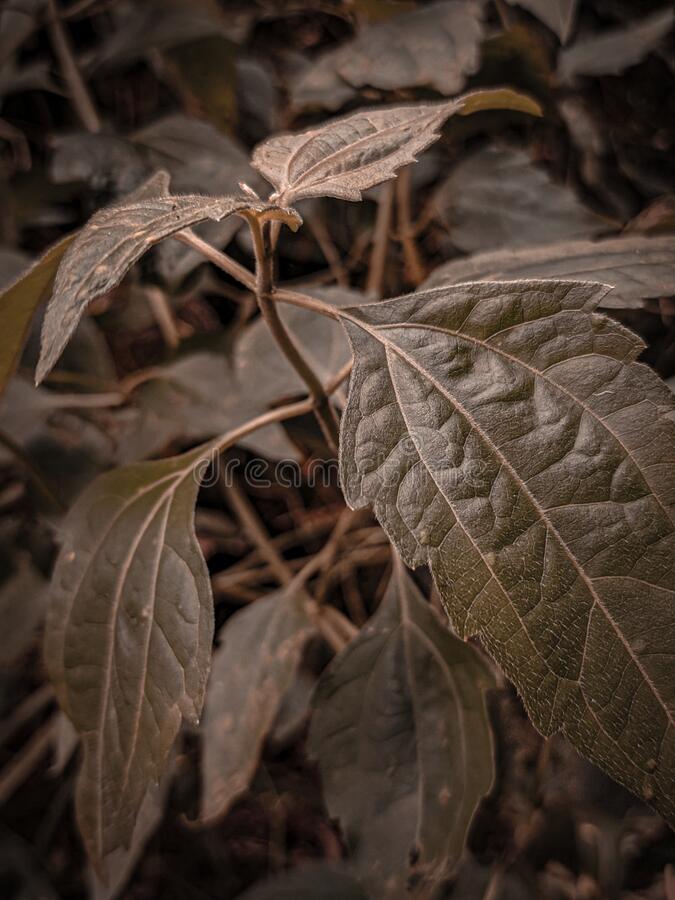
264 288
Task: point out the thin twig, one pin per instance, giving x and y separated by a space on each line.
21 766
263 289
79 93
35 475
218 258
414 267
254 527
378 256
161 310
318 228
25 711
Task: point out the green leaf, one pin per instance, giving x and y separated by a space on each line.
403 741
128 637
505 435
637 268
19 303
348 155
254 666
106 248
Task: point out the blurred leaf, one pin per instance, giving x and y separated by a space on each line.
206 69
19 302
497 198
402 738
106 248
17 22
437 46
328 881
617 49
130 594
559 15
638 268
505 436
348 155
102 161
253 668
161 25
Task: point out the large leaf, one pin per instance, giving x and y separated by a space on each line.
351 154
128 636
638 268
19 303
403 741
108 246
505 436
497 198
437 46
559 15
260 648
617 49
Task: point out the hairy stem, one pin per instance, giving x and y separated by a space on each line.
264 288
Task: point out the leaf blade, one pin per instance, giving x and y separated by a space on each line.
259 653
348 155
519 530
104 250
128 637
405 681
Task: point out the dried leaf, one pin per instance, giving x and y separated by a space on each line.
112 241
402 738
559 15
351 154
498 198
617 49
19 303
505 436
637 268
437 46
260 649
128 637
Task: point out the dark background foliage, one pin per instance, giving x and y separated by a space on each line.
96 95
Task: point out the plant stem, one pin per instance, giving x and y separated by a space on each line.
414 267
79 92
378 255
218 258
264 287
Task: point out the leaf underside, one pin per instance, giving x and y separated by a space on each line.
128 637
505 435
260 648
637 268
348 155
402 710
111 242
